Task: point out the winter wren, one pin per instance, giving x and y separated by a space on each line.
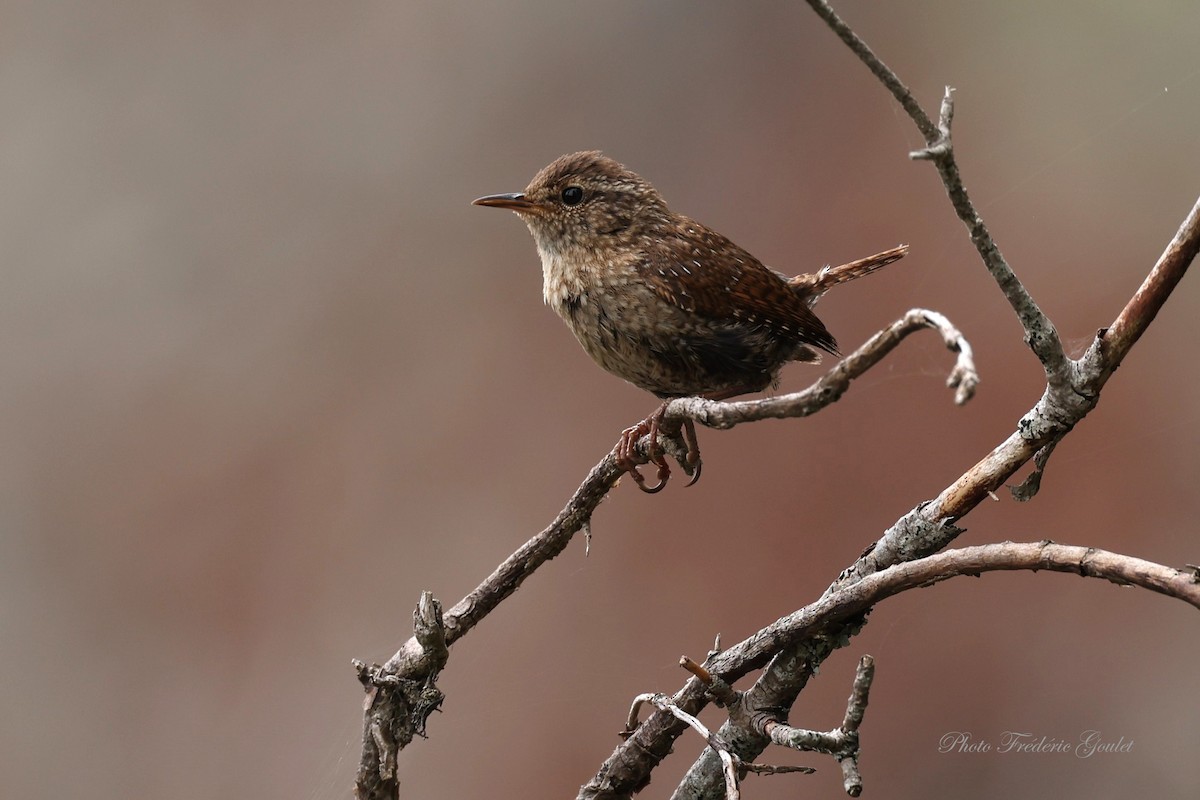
662 301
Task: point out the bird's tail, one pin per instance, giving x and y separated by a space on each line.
813 285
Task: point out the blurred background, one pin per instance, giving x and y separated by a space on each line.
266 374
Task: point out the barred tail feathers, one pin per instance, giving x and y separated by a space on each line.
816 284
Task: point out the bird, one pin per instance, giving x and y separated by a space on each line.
661 300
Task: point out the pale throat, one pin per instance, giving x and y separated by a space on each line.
562 274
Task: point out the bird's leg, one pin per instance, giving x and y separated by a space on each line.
626 454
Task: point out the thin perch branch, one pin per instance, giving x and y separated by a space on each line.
833 384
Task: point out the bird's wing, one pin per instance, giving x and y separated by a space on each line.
702 272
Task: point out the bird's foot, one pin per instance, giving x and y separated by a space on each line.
627 457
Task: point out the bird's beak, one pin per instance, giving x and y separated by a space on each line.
514 201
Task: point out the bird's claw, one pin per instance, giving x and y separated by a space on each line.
664 474
693 450
627 459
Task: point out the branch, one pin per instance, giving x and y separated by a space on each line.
833 384
841 742
1061 408
628 769
1040 333
400 699
844 603
1113 343
878 68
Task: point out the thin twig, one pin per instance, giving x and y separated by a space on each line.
841 742
1089 562
721 691
666 704
770 769
1040 333
833 384
881 71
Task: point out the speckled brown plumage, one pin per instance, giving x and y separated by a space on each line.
659 299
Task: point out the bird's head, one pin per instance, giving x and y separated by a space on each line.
584 200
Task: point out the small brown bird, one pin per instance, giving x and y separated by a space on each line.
662 301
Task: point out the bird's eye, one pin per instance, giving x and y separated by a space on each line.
572 196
